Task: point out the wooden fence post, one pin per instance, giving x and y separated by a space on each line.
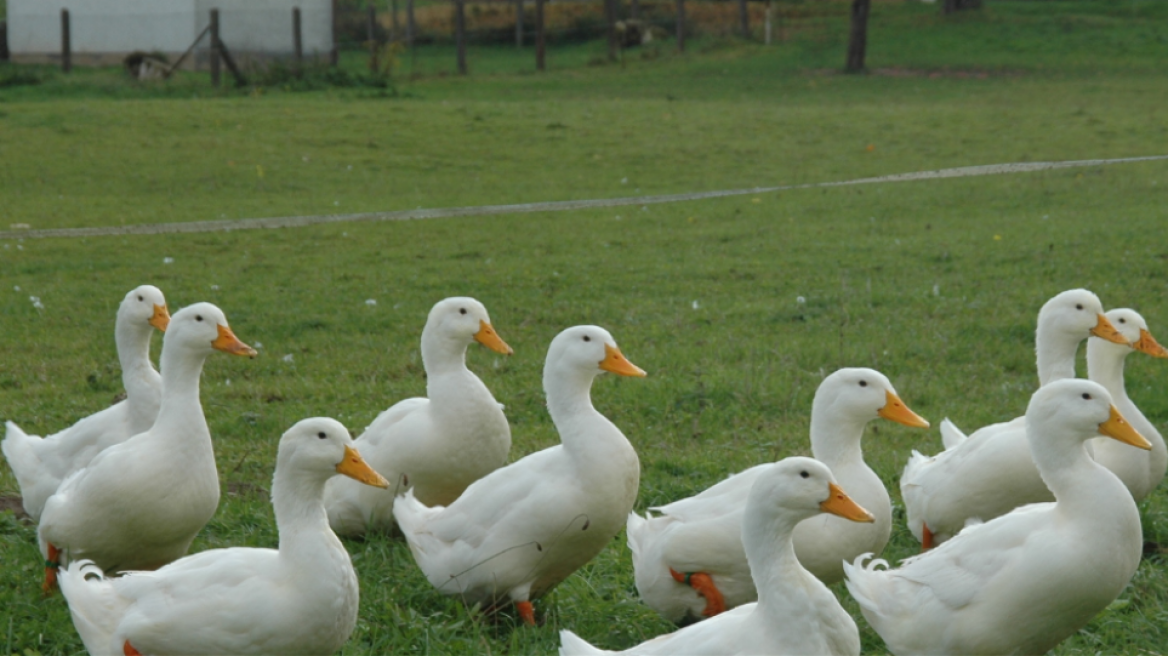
297 40
394 27
215 48
635 9
334 53
460 33
610 21
371 35
4 54
66 43
858 40
539 36
743 19
681 25
518 23
411 26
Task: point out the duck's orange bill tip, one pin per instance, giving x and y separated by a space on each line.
895 410
161 317
1117 428
490 339
1149 345
839 503
1105 330
229 343
615 362
355 467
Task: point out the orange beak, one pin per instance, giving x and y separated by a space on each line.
161 317
1149 345
615 362
1117 428
355 467
839 503
229 343
490 339
895 410
1104 330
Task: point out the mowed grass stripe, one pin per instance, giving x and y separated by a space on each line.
555 206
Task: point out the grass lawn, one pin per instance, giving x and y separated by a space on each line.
937 284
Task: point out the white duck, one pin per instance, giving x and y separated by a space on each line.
1021 583
1141 472
690 562
517 532
436 445
991 472
298 599
139 504
795 613
40 464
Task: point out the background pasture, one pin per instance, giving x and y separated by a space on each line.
736 307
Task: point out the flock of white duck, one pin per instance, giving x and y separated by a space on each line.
1034 521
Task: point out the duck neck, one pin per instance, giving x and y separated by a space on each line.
441 355
1056 354
770 552
181 370
1105 366
835 435
569 402
1073 476
298 500
133 343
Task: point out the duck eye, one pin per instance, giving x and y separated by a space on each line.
1123 320
1086 396
140 297
321 435
198 317
863 383
804 474
1078 306
462 310
587 338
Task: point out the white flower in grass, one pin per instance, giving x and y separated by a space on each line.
696 305
168 260
36 302
287 358
370 302
800 300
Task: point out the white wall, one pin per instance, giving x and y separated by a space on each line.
265 26
122 26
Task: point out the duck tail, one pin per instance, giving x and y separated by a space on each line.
573 645
95 605
951 435
863 580
20 450
635 533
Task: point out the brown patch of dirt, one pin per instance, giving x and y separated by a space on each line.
13 503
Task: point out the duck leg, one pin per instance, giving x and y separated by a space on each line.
52 564
704 584
926 538
128 649
526 612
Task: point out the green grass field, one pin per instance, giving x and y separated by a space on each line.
936 283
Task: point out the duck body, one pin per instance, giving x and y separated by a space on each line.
1020 583
299 599
704 533
795 613
40 464
519 531
1140 471
436 445
140 503
991 472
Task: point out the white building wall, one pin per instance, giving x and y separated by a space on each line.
115 27
265 26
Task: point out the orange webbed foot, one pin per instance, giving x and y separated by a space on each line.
128 649
526 612
926 538
704 584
